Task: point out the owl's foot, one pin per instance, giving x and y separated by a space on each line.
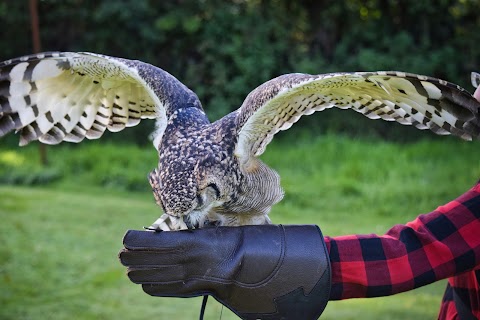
205 224
167 223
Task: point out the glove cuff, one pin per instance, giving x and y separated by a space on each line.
302 281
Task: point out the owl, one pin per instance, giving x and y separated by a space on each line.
209 173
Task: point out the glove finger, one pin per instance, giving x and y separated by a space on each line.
144 258
173 240
157 275
159 241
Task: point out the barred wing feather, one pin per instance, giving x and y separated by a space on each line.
425 102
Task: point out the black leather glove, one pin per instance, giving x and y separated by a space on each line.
258 272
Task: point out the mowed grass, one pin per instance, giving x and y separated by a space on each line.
59 241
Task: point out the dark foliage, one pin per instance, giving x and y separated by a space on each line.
224 49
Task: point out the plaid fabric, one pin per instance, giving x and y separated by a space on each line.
442 244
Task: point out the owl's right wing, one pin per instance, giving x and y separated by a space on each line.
66 96
421 101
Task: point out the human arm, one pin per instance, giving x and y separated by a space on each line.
434 246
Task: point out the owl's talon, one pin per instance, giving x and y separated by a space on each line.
152 229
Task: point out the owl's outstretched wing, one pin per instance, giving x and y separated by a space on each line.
65 96
422 101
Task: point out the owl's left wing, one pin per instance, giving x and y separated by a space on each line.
409 99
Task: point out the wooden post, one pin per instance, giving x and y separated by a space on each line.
33 6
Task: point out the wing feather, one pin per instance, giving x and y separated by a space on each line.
421 101
55 97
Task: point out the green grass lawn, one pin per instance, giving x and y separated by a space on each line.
59 241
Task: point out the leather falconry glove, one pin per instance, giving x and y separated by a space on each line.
258 272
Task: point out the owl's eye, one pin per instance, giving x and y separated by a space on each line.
215 188
207 195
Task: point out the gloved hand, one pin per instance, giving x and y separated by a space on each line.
258 272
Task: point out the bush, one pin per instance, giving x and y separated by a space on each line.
15 168
116 166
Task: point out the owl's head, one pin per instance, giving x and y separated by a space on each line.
189 192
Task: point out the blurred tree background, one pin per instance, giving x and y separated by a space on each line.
224 49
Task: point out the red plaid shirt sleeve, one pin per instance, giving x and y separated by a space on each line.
442 244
